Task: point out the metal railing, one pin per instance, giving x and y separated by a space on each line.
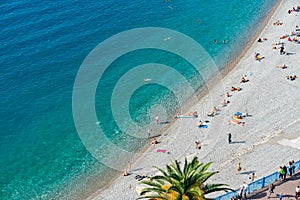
258 184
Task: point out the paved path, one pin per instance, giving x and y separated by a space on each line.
288 188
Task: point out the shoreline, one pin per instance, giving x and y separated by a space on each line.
230 66
202 91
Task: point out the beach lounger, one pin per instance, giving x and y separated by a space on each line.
234 121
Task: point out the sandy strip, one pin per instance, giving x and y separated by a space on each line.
268 139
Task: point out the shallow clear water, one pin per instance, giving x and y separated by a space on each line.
43 44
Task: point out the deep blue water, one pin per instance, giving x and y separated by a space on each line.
43 44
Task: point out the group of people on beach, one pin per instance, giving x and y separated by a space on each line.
283 170
280 46
294 9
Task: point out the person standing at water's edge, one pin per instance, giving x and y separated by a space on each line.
156 119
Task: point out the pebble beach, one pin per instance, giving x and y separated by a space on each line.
268 137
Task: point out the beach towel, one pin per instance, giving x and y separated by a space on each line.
161 150
203 126
237 122
186 116
236 117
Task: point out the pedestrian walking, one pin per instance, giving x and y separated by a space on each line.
229 138
297 193
281 50
240 194
245 188
271 189
280 196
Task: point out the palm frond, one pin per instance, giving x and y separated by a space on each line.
187 183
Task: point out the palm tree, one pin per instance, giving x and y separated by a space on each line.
178 184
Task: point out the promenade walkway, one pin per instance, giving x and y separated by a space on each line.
287 187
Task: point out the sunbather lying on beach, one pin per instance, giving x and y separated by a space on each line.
258 57
294 39
213 112
278 23
297 9
261 40
291 77
281 66
244 80
189 115
224 102
276 45
193 113
200 123
284 36
154 141
233 89
215 109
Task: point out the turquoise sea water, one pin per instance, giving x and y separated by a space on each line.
43 44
